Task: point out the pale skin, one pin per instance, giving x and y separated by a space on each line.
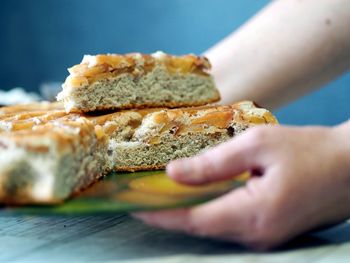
303 180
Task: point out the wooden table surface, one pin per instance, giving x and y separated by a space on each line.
120 238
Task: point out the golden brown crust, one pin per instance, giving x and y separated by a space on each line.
30 107
25 198
149 105
217 116
140 168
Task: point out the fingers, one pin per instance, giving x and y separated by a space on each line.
271 209
247 215
222 162
208 220
238 216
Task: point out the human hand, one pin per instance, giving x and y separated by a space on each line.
303 183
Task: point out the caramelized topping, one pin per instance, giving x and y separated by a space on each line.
99 132
23 125
76 81
97 67
199 119
219 119
110 129
174 122
161 117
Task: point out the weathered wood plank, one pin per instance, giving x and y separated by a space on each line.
121 238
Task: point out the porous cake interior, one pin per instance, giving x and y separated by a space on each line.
157 88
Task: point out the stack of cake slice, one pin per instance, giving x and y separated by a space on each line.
107 82
48 151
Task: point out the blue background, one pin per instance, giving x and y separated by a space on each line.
40 39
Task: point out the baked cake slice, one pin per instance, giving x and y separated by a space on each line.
112 81
148 139
47 155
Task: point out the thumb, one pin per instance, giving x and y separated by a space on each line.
222 162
